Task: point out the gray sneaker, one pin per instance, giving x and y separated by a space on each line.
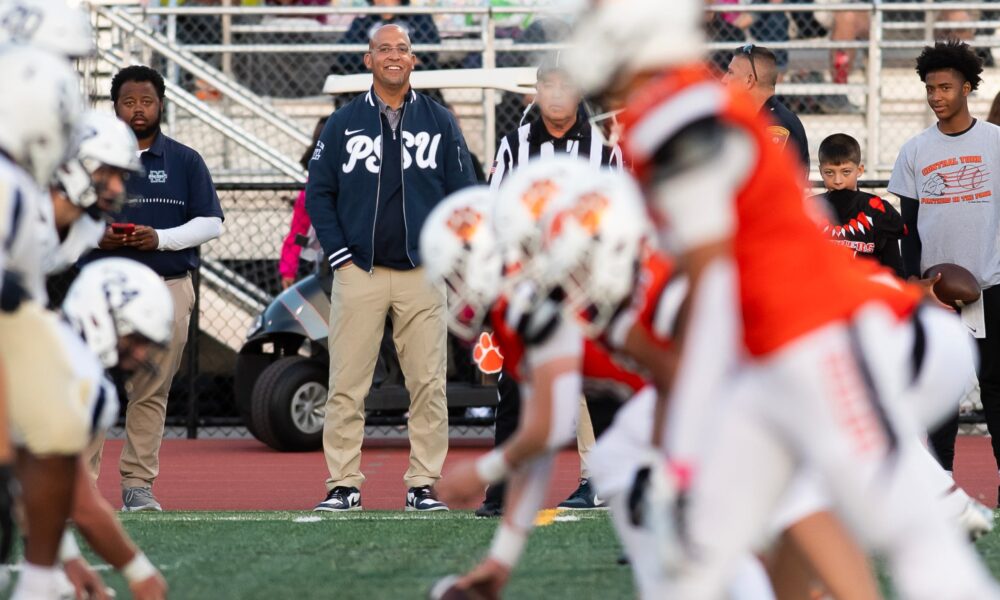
139 498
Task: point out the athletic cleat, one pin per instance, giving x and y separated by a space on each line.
976 519
584 498
422 498
489 509
139 499
340 499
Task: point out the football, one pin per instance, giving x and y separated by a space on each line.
957 286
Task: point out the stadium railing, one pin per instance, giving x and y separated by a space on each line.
246 87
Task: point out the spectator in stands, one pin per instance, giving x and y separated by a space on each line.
722 27
175 211
965 34
755 69
420 28
774 26
561 128
300 231
848 26
320 18
367 204
945 178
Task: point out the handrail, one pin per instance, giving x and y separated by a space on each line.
221 124
197 67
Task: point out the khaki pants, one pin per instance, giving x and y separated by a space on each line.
48 401
584 438
147 400
359 304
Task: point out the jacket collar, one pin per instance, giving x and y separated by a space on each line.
411 96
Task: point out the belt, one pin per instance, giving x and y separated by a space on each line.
175 276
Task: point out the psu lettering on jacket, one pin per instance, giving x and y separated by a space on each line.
368 150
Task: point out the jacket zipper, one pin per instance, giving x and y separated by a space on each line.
402 187
378 188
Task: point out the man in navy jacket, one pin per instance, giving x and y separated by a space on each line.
381 164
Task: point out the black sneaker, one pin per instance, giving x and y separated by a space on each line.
340 499
490 509
422 498
584 498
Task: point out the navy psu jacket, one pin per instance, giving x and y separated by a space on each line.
345 174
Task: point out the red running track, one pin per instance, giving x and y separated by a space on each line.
247 475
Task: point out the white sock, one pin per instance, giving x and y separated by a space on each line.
35 581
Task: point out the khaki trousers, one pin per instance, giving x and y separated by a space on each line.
359 304
147 400
584 438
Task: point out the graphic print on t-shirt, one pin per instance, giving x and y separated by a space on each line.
957 179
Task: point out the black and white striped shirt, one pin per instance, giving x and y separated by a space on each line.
533 139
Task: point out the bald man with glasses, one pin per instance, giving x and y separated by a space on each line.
754 69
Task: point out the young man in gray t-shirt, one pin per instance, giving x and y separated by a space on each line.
946 179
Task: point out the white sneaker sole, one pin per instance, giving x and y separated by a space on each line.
331 509
435 509
142 509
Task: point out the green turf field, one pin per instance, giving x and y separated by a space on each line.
364 555
371 555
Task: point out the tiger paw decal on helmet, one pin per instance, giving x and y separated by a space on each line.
487 355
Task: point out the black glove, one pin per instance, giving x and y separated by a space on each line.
7 495
12 294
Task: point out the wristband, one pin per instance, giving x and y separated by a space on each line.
507 546
492 467
68 548
138 569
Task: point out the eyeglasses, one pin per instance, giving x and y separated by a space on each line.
748 50
385 49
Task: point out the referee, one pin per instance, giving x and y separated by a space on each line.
562 127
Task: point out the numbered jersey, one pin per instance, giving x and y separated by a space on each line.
791 280
27 227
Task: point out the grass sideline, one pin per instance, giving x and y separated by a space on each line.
369 555
379 554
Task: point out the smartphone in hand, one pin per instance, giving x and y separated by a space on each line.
123 228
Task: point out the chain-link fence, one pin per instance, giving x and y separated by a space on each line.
247 91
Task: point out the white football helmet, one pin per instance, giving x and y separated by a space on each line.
523 202
459 250
594 244
101 139
59 26
617 38
40 103
115 297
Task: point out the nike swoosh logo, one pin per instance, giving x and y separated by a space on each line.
349 132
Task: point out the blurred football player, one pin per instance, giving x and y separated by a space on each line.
630 299
40 103
812 353
116 314
544 353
